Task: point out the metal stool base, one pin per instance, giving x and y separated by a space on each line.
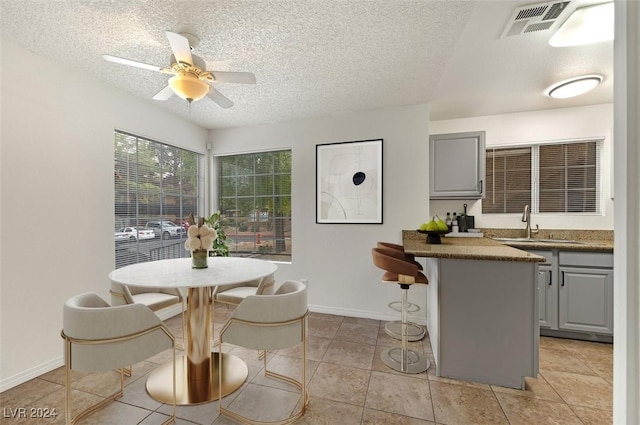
397 306
415 332
415 363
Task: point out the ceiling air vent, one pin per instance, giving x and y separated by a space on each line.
534 18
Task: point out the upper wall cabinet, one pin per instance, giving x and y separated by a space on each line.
456 165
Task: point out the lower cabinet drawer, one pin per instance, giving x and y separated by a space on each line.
586 259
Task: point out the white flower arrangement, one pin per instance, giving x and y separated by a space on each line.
200 237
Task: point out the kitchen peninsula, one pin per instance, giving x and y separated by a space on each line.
482 312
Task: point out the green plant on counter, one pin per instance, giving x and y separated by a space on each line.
220 248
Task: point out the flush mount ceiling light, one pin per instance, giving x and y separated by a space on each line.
590 24
573 86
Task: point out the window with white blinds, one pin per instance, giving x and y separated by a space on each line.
255 203
559 178
156 186
508 180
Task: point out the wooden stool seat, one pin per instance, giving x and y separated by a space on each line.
415 332
405 273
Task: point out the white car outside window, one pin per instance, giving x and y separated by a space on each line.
133 234
165 229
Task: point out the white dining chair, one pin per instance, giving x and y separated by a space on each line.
99 337
154 298
270 322
234 294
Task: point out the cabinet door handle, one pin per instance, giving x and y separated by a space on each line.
481 187
561 278
550 277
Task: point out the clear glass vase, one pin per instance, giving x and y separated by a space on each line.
199 259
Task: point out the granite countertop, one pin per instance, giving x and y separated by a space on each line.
581 240
487 248
464 249
594 245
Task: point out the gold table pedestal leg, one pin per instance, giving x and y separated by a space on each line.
188 392
197 372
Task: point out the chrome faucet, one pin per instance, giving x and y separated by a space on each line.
526 217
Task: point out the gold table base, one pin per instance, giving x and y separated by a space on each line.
196 391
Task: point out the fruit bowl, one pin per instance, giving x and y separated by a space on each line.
433 236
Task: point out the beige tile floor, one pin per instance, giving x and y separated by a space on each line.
348 384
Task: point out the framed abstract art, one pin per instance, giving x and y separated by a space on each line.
349 182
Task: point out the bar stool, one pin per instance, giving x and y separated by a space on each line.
404 273
415 332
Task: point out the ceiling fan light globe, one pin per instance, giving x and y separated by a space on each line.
188 87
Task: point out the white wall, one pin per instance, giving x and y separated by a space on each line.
626 279
57 216
527 127
336 258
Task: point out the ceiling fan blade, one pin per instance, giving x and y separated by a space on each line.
130 62
164 94
222 100
180 46
233 77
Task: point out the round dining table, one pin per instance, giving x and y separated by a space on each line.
196 370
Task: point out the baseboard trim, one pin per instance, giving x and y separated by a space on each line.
585 336
29 374
364 314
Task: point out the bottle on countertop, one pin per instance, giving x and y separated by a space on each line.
454 224
448 220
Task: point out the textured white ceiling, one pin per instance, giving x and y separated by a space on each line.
315 57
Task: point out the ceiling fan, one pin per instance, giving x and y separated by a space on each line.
190 80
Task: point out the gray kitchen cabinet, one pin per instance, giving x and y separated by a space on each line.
457 165
547 297
575 291
547 290
586 292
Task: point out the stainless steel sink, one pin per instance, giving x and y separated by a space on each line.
515 239
561 241
539 240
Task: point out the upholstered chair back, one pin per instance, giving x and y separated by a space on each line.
280 317
234 294
154 298
102 330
